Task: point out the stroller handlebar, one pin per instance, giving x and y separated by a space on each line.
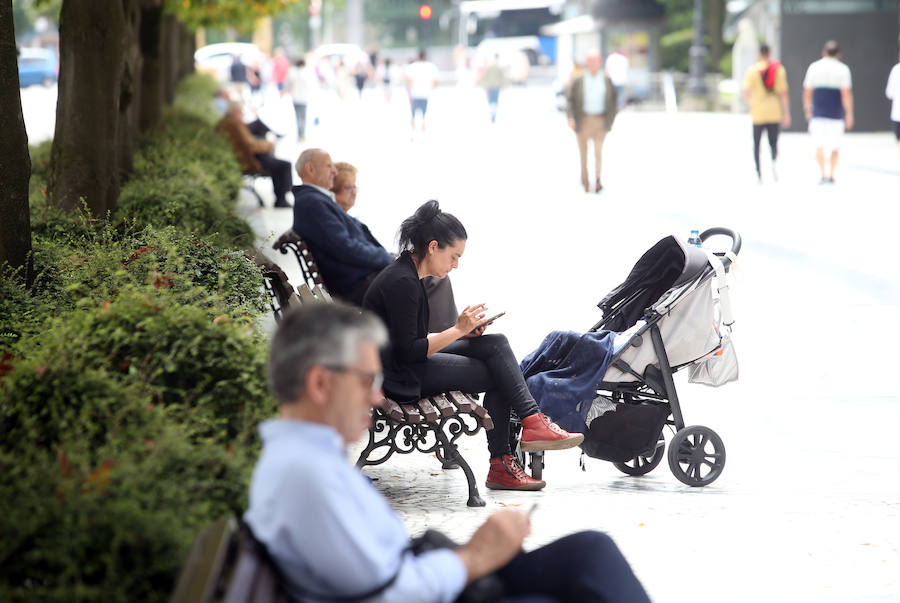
718 230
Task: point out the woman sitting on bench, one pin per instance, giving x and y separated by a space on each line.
420 364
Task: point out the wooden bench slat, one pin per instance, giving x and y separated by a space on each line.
443 404
392 409
412 413
428 410
481 412
306 294
206 563
322 294
460 401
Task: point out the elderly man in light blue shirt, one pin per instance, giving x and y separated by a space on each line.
332 534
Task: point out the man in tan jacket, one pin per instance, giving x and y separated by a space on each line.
255 154
591 109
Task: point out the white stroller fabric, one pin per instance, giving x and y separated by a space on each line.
721 367
688 327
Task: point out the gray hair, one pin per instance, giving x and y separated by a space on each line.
304 158
318 334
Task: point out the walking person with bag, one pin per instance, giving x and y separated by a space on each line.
766 92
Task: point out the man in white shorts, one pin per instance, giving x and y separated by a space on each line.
828 104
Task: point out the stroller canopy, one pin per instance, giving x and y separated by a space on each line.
669 263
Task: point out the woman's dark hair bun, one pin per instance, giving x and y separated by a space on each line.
428 211
427 224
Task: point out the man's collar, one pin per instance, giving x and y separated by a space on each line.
319 188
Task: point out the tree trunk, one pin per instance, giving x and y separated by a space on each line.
15 163
84 162
170 43
130 95
152 99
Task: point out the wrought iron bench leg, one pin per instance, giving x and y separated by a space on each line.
453 453
251 187
446 459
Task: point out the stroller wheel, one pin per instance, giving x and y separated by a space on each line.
644 463
696 455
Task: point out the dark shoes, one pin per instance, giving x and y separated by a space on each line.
598 187
282 203
507 474
540 433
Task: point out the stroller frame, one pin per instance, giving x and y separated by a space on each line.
690 458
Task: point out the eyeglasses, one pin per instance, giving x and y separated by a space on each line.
350 189
369 380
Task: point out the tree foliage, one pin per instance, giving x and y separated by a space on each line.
240 14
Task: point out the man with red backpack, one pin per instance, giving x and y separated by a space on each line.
766 92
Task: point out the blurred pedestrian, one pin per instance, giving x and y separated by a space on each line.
238 70
281 65
301 82
617 70
360 74
421 79
828 105
766 92
386 74
893 92
591 109
493 80
255 154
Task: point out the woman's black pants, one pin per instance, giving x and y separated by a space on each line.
481 364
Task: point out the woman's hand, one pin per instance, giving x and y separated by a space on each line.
475 332
465 325
469 318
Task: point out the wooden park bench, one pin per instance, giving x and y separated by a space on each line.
227 564
430 425
281 293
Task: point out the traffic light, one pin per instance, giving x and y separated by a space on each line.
425 11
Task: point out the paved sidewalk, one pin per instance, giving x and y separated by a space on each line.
808 506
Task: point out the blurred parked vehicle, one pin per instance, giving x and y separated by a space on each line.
37 66
217 58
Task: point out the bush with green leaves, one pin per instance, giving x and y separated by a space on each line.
132 374
208 371
79 260
111 522
187 178
128 426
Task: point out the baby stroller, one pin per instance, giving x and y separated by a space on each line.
673 311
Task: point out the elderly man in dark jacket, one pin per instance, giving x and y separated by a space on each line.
591 109
347 255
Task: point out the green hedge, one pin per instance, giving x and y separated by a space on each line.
132 374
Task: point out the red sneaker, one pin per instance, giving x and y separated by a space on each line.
540 433
507 474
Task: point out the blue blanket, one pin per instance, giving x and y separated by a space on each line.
563 373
